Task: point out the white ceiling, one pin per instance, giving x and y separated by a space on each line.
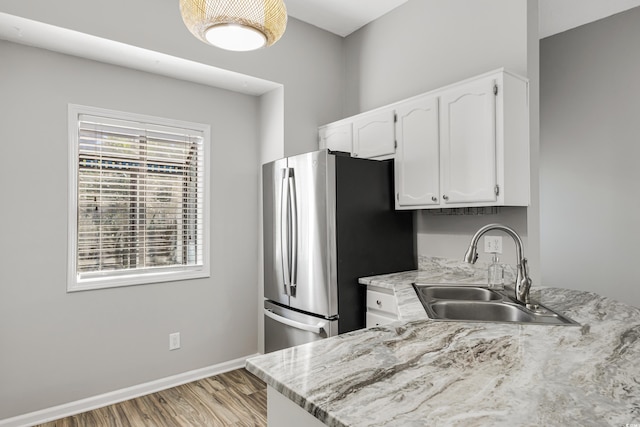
338 16
342 17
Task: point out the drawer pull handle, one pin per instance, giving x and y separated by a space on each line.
379 302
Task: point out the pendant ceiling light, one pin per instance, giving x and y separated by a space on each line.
239 25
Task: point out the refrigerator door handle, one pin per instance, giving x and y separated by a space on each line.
284 229
316 329
294 233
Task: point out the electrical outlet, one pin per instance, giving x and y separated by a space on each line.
493 244
174 341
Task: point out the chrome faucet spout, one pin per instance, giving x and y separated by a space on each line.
523 282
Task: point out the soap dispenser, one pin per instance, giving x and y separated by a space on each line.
496 273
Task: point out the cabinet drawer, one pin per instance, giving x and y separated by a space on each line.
382 302
378 320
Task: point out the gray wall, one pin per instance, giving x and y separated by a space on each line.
590 149
306 60
271 148
58 347
53 355
53 358
426 44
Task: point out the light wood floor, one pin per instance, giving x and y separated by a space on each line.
235 398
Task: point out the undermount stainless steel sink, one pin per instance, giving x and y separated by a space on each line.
479 304
457 293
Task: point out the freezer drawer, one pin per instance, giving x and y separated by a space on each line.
285 328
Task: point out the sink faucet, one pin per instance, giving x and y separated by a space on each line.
523 282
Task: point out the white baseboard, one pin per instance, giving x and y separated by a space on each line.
90 403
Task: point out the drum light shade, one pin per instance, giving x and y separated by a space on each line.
239 25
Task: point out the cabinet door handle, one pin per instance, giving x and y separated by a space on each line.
379 302
434 199
445 197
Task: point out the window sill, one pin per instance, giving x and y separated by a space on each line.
139 278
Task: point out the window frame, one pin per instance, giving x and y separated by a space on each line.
120 278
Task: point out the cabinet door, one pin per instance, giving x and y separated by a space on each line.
373 134
417 161
336 137
468 143
373 319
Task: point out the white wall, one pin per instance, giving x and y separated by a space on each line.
125 341
590 148
420 46
59 347
306 60
271 148
449 236
426 44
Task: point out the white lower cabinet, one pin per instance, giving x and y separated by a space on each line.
378 319
382 306
283 412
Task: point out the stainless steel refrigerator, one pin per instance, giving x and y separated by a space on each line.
328 220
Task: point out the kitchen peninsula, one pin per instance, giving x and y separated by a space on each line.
417 371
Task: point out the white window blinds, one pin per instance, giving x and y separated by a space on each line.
139 201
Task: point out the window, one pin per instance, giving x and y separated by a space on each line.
138 199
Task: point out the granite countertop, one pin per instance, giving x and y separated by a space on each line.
417 372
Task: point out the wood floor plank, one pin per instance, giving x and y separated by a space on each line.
244 383
235 398
191 409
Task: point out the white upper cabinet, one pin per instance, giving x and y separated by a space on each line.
468 143
368 135
417 161
374 135
464 145
337 137
470 147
